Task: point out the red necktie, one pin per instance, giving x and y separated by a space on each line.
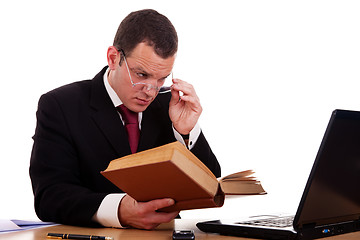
131 121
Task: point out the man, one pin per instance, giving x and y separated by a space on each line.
80 130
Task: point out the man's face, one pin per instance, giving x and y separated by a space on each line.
144 66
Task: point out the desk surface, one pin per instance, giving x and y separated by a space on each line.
163 232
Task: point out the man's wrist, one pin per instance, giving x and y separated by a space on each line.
190 139
107 214
185 136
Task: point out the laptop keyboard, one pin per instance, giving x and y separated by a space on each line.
285 221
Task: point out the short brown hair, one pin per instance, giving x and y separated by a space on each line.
147 26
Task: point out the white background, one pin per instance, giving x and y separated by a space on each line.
268 73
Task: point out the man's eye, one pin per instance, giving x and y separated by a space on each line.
141 75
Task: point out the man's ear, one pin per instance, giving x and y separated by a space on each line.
113 57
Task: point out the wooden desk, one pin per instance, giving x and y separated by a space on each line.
163 233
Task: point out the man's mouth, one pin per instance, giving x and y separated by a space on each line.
143 101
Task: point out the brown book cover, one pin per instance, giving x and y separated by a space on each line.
172 171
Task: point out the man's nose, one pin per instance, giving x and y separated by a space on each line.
150 90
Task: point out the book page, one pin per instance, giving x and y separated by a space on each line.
243 175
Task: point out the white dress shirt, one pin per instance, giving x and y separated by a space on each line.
107 213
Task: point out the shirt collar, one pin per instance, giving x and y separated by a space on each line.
112 94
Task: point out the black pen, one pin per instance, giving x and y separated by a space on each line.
76 236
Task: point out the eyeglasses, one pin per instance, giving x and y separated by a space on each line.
143 86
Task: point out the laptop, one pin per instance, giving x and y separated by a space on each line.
330 204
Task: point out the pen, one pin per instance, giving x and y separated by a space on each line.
76 236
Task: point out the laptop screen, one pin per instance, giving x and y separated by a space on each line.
332 192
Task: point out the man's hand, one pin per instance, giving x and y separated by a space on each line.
185 110
143 215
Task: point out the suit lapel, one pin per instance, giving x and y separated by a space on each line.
106 117
148 134
149 126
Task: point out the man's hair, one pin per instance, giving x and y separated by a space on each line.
150 27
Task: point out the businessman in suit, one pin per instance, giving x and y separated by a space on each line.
80 129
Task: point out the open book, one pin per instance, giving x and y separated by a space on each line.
172 171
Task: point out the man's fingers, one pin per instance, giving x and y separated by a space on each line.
143 214
155 218
160 203
175 96
184 87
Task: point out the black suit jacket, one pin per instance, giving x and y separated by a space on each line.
78 133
